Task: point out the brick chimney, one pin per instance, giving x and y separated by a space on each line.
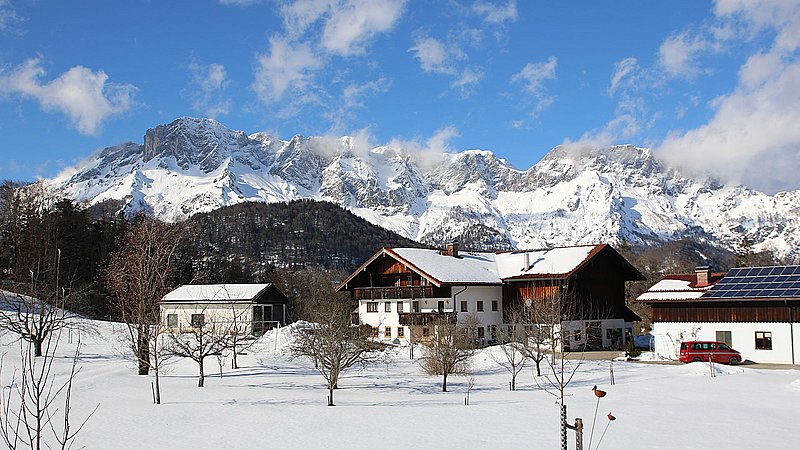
703 274
452 249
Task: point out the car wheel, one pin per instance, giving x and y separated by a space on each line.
696 360
734 361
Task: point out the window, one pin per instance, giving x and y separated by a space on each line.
493 332
387 331
198 320
480 333
724 336
763 340
577 335
172 320
372 307
399 307
495 305
401 332
374 331
441 306
415 306
480 305
464 306
387 307
425 332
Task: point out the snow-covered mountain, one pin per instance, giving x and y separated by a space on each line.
570 197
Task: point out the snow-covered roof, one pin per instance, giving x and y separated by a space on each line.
471 268
215 292
558 261
676 287
488 268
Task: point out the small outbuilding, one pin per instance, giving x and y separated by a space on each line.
252 308
752 309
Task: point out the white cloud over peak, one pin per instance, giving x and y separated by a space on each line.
206 89
753 137
84 96
494 13
287 67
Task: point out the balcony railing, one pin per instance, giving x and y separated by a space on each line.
417 318
397 292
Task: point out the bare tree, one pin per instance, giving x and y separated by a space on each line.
140 273
333 343
513 347
160 353
36 406
240 337
449 351
206 336
552 314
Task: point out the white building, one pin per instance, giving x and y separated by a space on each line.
752 309
401 291
257 307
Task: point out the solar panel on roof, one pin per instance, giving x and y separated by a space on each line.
758 282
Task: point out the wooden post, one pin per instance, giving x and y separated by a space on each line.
578 433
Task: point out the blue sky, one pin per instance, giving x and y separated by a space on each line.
711 86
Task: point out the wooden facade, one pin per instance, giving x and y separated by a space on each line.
716 311
597 288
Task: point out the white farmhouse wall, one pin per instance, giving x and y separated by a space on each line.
472 295
218 313
667 337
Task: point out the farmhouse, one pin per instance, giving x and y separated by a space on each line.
402 291
752 309
255 307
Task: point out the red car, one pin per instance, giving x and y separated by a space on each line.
719 352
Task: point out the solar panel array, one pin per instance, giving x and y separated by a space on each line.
758 282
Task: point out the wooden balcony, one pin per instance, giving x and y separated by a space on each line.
399 292
415 318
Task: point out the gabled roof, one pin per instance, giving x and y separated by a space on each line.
484 268
677 287
216 292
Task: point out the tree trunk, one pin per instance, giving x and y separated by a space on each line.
37 345
538 369
202 378
514 382
144 352
144 363
444 382
330 395
563 425
158 389
234 363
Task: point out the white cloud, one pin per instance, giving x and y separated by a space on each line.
287 67
753 137
82 95
533 78
434 56
354 92
354 22
206 91
239 2
679 53
493 13
427 154
347 24
8 16
624 73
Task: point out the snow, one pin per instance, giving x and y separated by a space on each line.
556 261
273 401
600 195
195 292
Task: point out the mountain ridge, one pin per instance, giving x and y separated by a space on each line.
572 196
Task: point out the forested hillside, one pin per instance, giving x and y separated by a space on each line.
302 233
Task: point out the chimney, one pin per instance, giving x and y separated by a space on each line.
452 249
703 274
526 262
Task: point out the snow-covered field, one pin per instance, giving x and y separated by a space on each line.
275 402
